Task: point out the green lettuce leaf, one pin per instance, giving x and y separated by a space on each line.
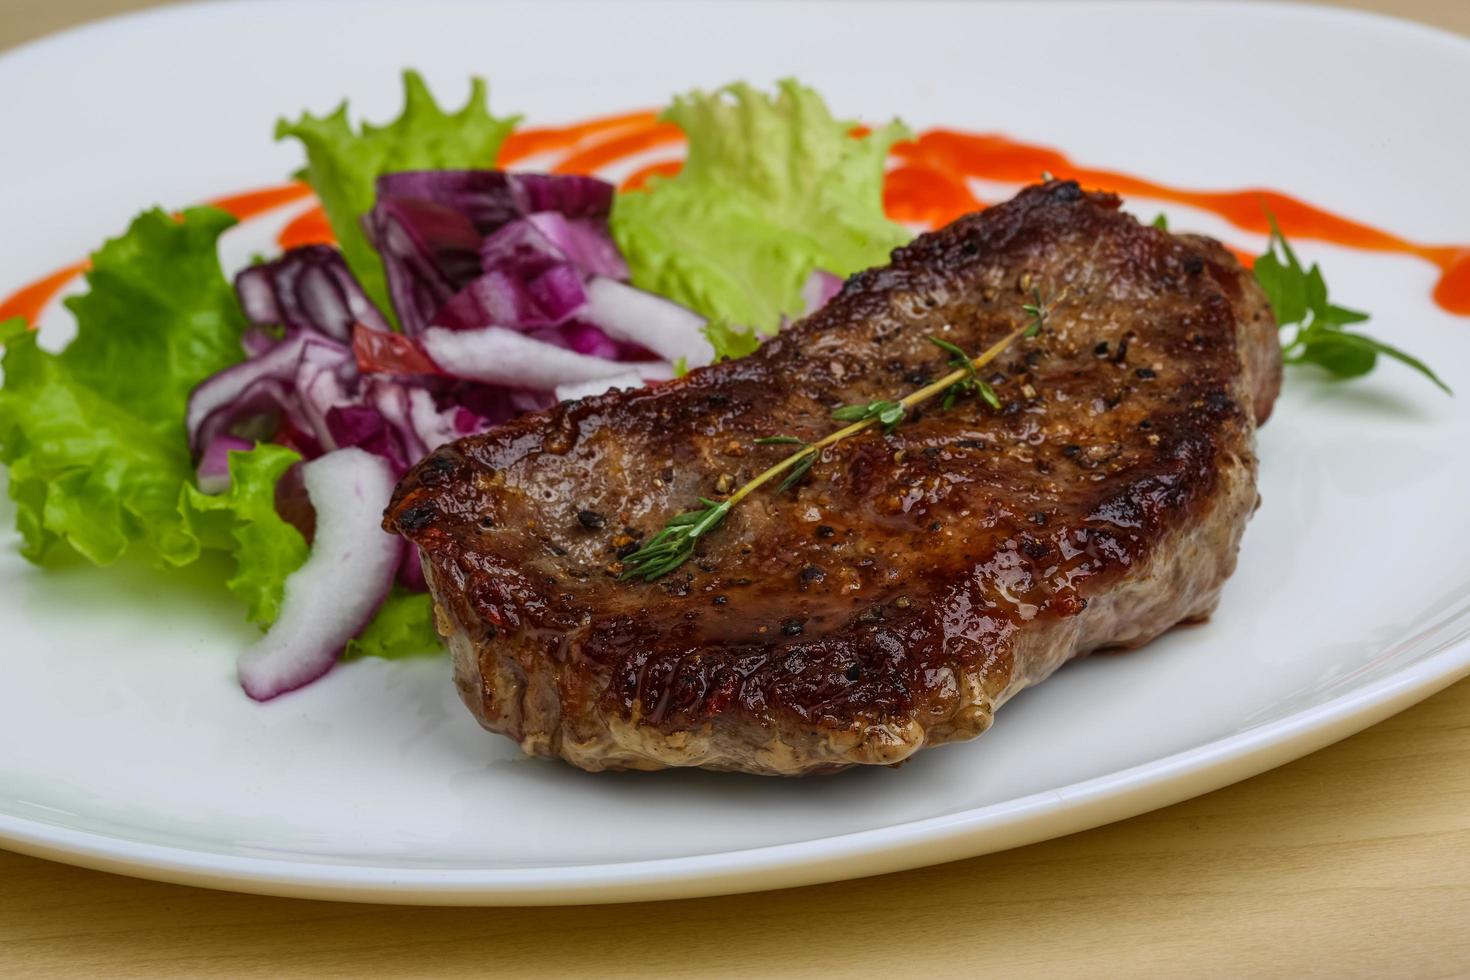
403 627
94 436
342 163
772 188
244 520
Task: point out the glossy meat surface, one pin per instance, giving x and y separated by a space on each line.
913 581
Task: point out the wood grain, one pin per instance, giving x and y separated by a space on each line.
1354 861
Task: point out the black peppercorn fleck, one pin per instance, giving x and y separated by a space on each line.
591 520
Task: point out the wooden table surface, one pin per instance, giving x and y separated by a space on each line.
1354 861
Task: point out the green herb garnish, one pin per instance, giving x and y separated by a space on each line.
1038 309
674 545
1299 300
802 466
971 384
887 413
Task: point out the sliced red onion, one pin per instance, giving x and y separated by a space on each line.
429 253
583 338
639 317
364 427
260 408
490 198
433 427
308 288
584 241
519 248
587 389
345 579
257 341
499 298
219 390
213 473
495 355
819 287
321 380
292 503
530 245
411 570
395 404
573 195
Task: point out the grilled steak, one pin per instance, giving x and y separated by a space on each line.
913 581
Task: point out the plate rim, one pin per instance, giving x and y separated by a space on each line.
970 833
918 843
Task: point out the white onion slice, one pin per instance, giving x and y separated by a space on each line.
633 315
587 389
499 356
433 427
346 577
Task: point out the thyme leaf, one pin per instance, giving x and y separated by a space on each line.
674 545
886 413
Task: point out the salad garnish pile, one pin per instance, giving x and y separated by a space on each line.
458 297
193 413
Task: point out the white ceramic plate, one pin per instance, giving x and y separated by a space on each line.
125 743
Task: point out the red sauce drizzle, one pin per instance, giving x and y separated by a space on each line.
28 301
926 185
250 203
544 139
310 227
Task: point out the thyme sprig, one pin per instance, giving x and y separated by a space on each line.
886 413
800 469
674 545
1038 309
970 385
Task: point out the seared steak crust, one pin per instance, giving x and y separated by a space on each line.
913 581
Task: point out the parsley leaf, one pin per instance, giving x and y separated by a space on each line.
1298 297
